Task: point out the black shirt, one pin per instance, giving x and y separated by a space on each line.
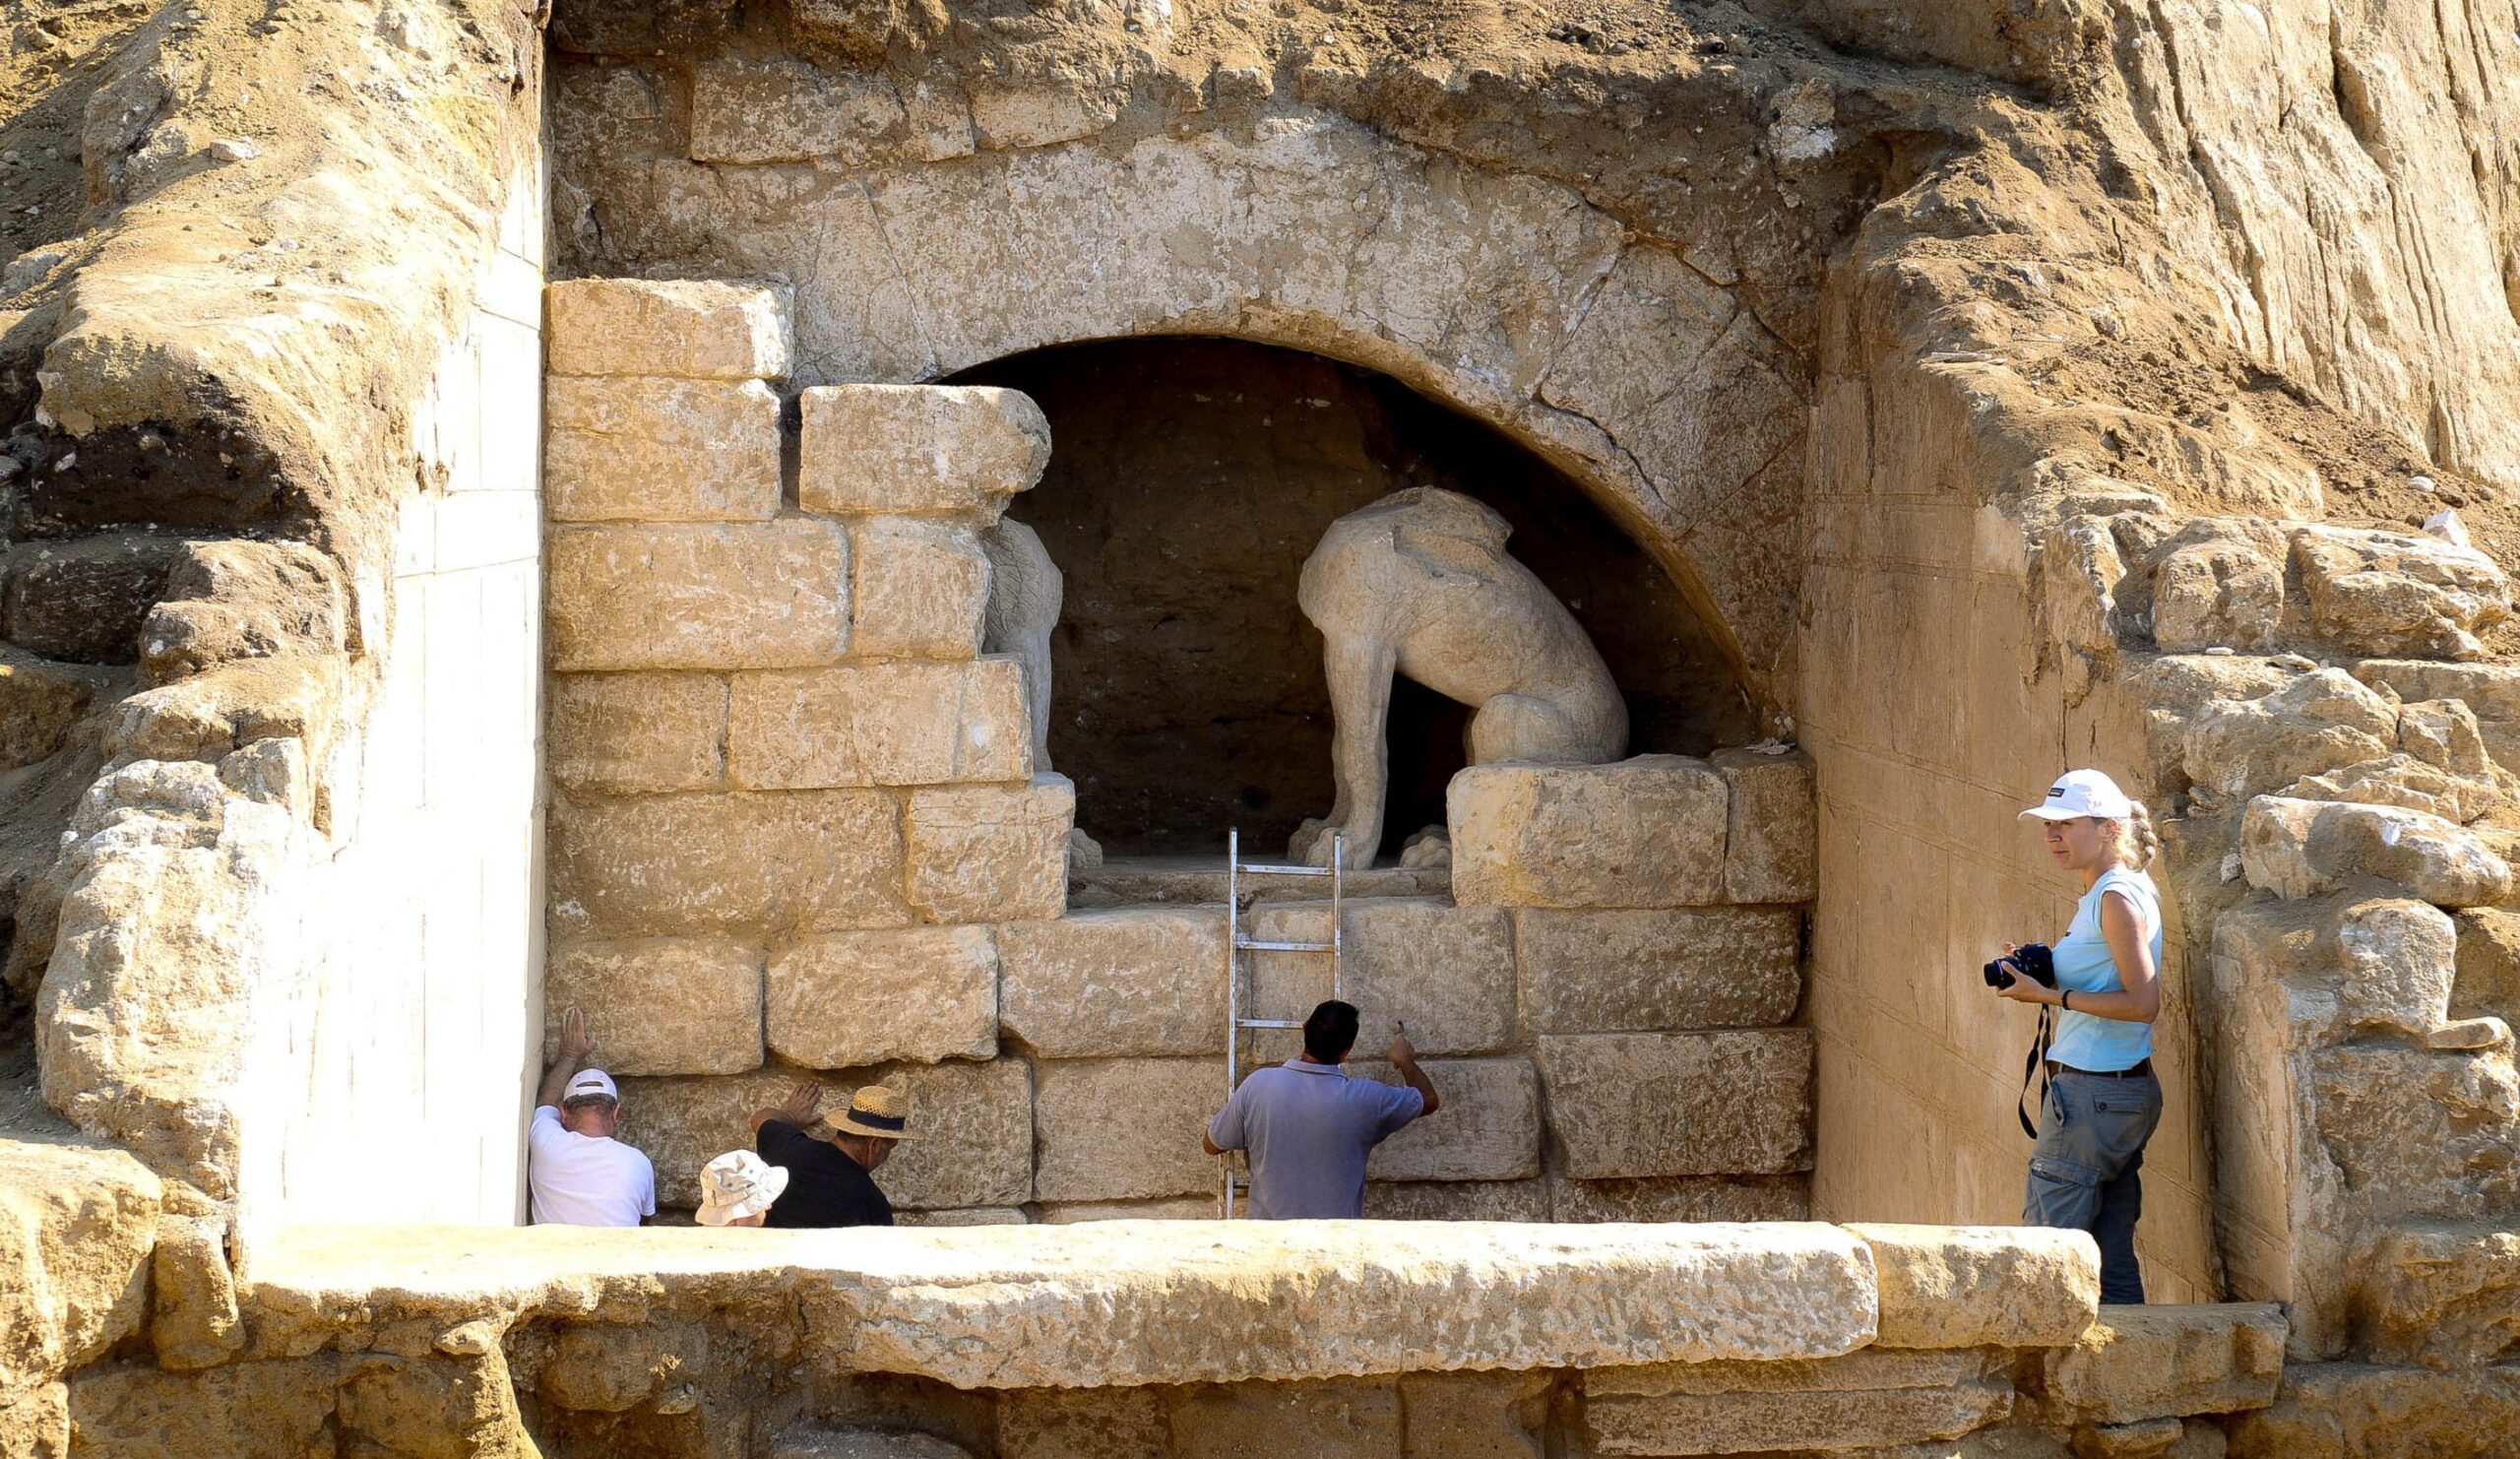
825 1188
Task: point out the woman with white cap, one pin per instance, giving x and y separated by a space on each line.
2103 1101
738 1189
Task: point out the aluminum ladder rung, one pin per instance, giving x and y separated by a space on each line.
1236 944
1252 944
1267 1023
1260 868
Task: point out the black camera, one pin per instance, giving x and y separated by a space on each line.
2035 961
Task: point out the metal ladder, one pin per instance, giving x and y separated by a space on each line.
1236 969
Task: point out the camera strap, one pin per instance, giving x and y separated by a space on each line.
2036 1066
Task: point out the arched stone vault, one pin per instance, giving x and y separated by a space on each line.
1509 298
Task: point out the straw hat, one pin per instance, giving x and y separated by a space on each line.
737 1184
878 1110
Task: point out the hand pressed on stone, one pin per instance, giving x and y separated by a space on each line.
575 1041
802 1103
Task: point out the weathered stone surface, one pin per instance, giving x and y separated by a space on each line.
38 704
1486 1128
2438 1296
2388 592
1168 1208
2318 723
1065 1423
1247 1420
1109 1302
1647 832
227 600
697 329
1125 1128
636 731
2302 847
2379 1412
890 723
922 586
760 595
1099 985
192 1304
634 449
1679 1103
788 112
1983 1285
989 852
2444 733
1772 841
76 1227
974 1216
591 1369
2405 781
1445 972
810 1441
661 1005
974 1123
2218 583
800 860
84 600
2416 1131
2168 1361
1873 1398
1657 971
851 998
1455 1200
1681 1198
1476 1416
919 450
2488 965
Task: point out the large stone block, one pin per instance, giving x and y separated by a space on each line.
888 724
1681 1198
756 594
692 328
1657 970
2442 1295
84 600
1647 832
974 1145
1446 973
647 450
682 1124
2308 848
2387 593
1455 1200
1125 1128
984 854
1357 1418
1983 1285
1486 1128
922 589
2234 749
1072 1423
788 112
919 450
1136 980
798 860
76 1227
1168 1208
39 703
849 998
2170 1361
1716 1104
1772 838
1869 1399
660 1005
1476 1416
636 731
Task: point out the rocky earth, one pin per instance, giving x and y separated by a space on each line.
2194 317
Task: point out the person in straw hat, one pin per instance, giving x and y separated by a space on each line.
833 1184
738 1189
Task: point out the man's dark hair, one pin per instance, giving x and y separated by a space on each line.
1330 1032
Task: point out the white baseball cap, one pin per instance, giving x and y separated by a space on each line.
588 1084
2083 792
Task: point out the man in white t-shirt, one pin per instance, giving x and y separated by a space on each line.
581 1175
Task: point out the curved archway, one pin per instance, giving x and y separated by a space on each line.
1189 479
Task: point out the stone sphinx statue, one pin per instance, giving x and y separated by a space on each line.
1025 594
1420 584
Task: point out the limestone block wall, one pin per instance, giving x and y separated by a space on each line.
424 929
796 830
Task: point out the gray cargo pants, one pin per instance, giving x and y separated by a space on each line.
2086 1171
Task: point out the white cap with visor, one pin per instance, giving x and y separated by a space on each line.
2083 792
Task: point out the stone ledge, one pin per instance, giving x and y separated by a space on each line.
1114 1302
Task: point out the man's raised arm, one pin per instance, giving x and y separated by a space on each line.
575 1044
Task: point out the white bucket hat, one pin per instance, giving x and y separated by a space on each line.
736 1185
2083 792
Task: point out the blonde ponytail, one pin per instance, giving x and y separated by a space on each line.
2137 842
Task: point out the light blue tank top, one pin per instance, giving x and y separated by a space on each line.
2084 966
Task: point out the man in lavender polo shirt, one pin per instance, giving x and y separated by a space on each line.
1309 1127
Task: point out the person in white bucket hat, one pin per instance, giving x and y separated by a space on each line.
578 1173
737 1188
2103 979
